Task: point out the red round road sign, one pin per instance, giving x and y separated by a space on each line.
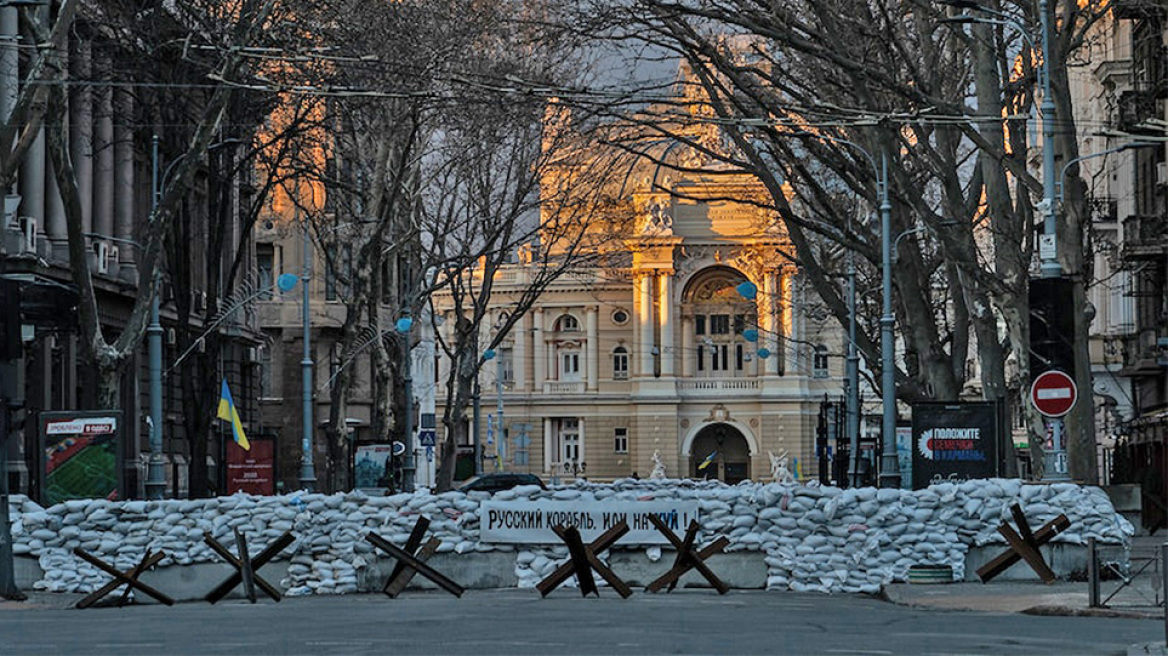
1054 393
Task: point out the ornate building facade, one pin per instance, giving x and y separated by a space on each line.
667 359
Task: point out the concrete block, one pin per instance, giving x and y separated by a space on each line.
738 569
28 571
193 582
474 571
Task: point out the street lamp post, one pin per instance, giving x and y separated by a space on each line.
307 470
404 324
1048 243
890 468
155 477
853 375
155 474
1048 250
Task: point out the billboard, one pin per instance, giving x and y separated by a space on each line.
954 442
81 454
252 471
370 472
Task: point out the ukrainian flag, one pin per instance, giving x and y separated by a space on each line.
227 412
708 460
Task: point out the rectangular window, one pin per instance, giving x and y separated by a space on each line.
719 357
819 363
570 366
266 372
719 324
507 360
330 283
620 364
739 323
699 324
738 357
569 440
265 265
620 440
701 358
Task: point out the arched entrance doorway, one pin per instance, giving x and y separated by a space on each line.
730 451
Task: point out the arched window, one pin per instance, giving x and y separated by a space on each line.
721 318
567 323
620 363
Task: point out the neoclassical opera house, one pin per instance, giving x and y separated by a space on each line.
666 361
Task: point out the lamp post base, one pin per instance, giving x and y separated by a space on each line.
308 478
890 472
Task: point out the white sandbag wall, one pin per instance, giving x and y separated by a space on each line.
813 538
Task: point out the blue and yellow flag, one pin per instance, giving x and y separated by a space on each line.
227 412
708 460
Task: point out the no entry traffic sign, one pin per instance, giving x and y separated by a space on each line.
1054 393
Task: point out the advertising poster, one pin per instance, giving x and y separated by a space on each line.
81 455
252 471
954 442
370 473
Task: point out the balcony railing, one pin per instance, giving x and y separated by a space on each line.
717 384
1136 108
1143 237
559 387
1137 9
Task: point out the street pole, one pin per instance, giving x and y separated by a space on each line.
155 478
408 468
478 412
1048 246
307 471
853 373
890 468
500 440
8 589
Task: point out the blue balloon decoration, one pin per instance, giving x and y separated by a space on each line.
287 281
764 353
750 335
404 324
489 354
747 290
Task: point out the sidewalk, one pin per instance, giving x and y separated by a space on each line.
1059 598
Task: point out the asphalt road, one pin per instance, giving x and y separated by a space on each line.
520 622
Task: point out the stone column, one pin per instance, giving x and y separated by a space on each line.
665 320
591 363
549 454
790 332
519 355
32 180
103 150
688 354
538 352
773 304
81 130
9 60
124 182
645 325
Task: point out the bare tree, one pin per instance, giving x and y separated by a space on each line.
788 86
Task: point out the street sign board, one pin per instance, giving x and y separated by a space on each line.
1053 393
954 442
427 437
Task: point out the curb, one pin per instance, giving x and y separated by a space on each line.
1068 611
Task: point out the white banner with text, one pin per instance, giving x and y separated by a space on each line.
531 522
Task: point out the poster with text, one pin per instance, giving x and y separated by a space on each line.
954 442
252 471
81 456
